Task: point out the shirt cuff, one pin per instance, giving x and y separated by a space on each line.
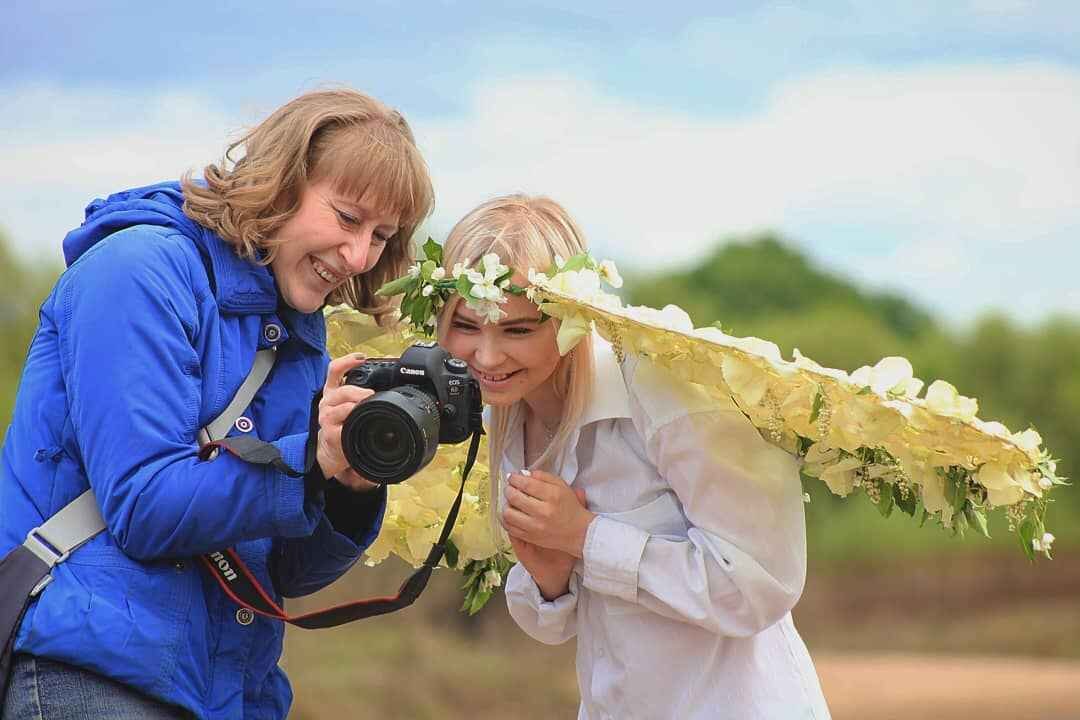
612 555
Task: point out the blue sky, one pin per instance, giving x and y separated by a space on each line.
934 152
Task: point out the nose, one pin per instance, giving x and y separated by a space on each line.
355 252
489 355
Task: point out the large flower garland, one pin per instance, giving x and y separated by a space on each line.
930 457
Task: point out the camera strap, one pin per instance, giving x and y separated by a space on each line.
238 582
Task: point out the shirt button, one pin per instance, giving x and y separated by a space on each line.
245 616
180 565
244 424
272 332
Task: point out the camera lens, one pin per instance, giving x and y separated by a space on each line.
392 435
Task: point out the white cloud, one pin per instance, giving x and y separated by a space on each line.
978 158
910 179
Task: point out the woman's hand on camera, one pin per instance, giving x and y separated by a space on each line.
337 402
542 509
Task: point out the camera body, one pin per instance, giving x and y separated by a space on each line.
422 399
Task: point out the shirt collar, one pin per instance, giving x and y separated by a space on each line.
610 399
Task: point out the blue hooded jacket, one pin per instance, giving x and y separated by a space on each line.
144 340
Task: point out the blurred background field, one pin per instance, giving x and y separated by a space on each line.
902 621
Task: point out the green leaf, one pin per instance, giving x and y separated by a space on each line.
1026 531
925 516
819 402
394 287
577 262
451 553
885 503
865 391
955 490
976 519
906 503
959 523
426 268
433 251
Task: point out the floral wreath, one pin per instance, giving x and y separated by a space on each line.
909 447
427 286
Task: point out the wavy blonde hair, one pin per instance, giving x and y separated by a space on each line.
364 148
525 232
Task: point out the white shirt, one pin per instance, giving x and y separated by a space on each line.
681 604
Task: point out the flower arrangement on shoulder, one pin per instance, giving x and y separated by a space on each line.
872 431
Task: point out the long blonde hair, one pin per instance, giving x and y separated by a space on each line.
364 148
525 232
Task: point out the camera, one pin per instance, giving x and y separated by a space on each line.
422 399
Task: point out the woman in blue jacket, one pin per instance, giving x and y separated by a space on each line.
170 291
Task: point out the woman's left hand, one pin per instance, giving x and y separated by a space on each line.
543 510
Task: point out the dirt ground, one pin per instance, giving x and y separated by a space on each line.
895 687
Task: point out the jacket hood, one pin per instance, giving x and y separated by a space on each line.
158 204
239 286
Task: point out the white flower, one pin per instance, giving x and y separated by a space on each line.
492 579
1046 483
414 270
428 289
610 273
459 269
430 322
438 273
488 309
559 262
484 288
1043 543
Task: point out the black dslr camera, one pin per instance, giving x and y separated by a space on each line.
421 400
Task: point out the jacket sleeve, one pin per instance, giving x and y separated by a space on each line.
129 315
551 622
742 565
350 524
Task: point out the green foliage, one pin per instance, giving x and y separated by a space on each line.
23 286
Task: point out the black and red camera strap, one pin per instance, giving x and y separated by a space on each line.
241 586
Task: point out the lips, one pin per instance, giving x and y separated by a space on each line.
327 273
494 380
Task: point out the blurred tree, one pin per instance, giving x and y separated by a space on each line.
23 286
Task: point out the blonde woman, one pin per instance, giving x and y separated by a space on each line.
170 291
653 524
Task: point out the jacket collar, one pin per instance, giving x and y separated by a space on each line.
245 287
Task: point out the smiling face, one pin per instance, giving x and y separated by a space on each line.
514 359
329 239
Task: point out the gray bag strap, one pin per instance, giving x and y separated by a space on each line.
219 426
80 520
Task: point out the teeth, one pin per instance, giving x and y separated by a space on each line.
494 378
324 272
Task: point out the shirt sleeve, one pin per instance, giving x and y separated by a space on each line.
134 383
742 565
552 622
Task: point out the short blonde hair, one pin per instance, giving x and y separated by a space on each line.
364 148
525 232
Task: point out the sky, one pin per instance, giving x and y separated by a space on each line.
926 148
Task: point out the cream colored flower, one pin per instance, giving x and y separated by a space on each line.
942 398
610 273
840 477
572 329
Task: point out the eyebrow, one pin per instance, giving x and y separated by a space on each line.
512 321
